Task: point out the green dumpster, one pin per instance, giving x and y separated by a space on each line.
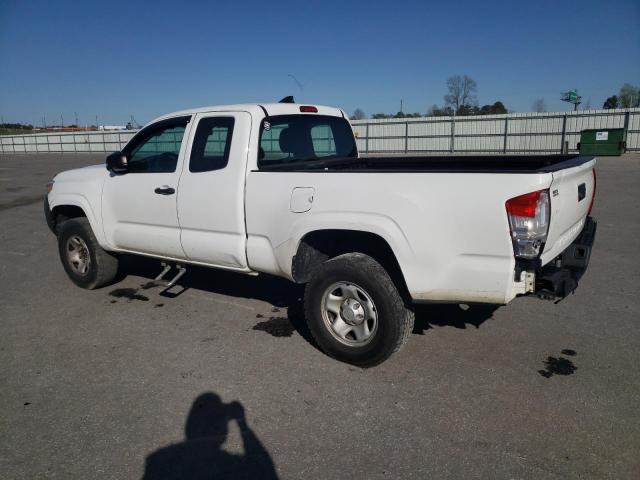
604 141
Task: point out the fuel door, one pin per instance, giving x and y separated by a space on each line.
301 199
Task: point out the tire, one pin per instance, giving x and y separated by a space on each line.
86 263
373 321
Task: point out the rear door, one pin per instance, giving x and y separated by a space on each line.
211 193
571 192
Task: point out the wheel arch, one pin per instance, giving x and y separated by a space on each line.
65 212
318 246
74 206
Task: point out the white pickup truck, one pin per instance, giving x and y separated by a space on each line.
280 189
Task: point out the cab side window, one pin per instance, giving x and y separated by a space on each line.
211 144
156 148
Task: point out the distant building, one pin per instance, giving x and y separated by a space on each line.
111 127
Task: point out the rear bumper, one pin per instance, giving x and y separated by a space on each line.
560 277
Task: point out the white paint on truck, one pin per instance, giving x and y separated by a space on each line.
448 231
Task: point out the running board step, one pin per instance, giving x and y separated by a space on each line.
159 280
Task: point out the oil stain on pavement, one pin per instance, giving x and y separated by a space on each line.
559 365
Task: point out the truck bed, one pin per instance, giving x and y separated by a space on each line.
439 164
451 223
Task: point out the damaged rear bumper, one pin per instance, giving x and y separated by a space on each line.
560 277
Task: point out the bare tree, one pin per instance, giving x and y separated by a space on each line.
539 105
629 96
436 111
433 111
358 114
462 92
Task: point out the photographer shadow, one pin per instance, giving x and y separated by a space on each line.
201 455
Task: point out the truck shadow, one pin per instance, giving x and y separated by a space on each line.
451 315
282 294
274 290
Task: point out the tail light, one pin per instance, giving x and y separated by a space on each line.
308 109
529 222
593 197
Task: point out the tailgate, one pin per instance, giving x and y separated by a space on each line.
571 192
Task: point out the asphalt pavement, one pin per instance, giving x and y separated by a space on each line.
223 381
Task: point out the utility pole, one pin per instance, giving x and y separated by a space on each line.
76 115
96 122
61 121
401 102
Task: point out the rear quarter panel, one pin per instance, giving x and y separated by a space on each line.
449 231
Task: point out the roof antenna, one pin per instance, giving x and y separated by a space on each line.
298 82
288 99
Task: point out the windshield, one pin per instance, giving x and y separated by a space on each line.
294 138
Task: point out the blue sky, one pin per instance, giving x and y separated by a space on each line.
116 58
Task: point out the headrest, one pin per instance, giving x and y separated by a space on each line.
287 140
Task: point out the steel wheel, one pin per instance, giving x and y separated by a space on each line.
349 314
78 255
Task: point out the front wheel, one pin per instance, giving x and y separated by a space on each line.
86 263
355 312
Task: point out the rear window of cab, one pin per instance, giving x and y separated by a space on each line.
295 138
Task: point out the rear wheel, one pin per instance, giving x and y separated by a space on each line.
355 311
86 263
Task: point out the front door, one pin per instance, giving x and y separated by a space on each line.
139 207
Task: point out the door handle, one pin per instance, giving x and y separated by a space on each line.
165 190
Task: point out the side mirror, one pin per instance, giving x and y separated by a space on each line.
117 163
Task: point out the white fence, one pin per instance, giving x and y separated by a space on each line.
65 142
511 133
